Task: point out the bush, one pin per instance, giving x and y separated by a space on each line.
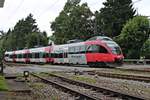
145 51
133 36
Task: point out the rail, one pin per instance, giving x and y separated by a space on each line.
122 76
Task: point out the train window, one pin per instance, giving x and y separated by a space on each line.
60 55
82 49
102 50
89 49
95 48
10 56
52 55
6 55
36 55
55 55
116 50
41 55
44 55
30 55
33 55
77 49
49 54
19 55
71 50
25 55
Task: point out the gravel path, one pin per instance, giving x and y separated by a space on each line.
127 86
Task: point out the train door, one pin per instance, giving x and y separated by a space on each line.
101 54
93 54
98 53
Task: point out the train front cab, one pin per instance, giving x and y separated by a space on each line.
98 54
116 53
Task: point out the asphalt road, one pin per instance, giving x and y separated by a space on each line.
43 68
49 68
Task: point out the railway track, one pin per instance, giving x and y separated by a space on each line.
121 76
107 93
134 70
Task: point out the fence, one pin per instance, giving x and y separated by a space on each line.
137 61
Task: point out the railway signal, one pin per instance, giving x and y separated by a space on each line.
26 75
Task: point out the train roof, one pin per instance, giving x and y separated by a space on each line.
94 40
8 52
102 38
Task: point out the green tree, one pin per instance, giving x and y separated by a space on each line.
111 18
36 39
21 30
133 35
22 33
2 48
73 22
145 51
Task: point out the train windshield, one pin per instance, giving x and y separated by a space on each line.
116 50
114 47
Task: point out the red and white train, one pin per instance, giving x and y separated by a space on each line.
96 51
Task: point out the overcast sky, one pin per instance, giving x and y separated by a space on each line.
45 11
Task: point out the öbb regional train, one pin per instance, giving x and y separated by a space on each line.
96 51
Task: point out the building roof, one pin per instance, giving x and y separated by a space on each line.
1 3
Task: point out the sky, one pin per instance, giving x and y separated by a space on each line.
45 11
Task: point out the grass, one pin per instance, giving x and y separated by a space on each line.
74 77
84 79
3 86
38 85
